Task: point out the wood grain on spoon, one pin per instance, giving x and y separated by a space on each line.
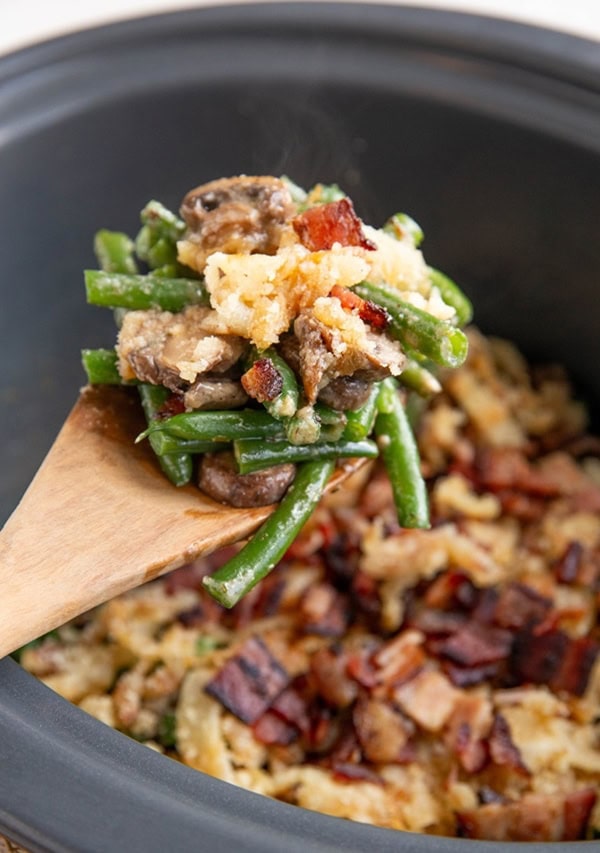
100 518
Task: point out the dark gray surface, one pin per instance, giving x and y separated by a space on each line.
487 132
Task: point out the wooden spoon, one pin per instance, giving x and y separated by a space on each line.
100 518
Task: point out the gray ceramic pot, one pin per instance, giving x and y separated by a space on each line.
487 132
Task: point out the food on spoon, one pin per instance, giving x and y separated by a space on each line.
277 318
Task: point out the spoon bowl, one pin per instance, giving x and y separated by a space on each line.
100 518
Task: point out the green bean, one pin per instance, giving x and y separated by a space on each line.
297 193
224 425
162 254
269 544
254 454
156 242
178 467
304 427
162 221
164 444
360 421
119 316
167 271
401 225
400 454
286 403
419 379
100 366
114 251
140 292
417 330
452 295
333 422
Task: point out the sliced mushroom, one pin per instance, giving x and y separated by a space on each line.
220 480
240 214
173 349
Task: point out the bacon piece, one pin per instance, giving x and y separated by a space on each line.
400 659
345 772
519 606
173 405
262 381
250 681
503 750
361 668
340 554
475 644
508 469
292 708
536 817
325 731
487 601
365 595
271 729
320 227
382 731
462 676
578 808
324 611
555 659
328 669
520 506
428 699
451 589
436 622
468 727
370 313
347 749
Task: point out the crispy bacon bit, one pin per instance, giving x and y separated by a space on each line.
250 681
468 728
450 589
324 611
475 644
345 772
328 668
370 313
382 731
520 506
360 667
365 595
428 699
320 227
508 469
536 817
324 732
173 405
399 660
503 750
262 381
554 659
519 606
271 729
567 566
578 808
436 622
462 676
292 709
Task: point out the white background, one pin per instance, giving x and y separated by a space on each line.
25 21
